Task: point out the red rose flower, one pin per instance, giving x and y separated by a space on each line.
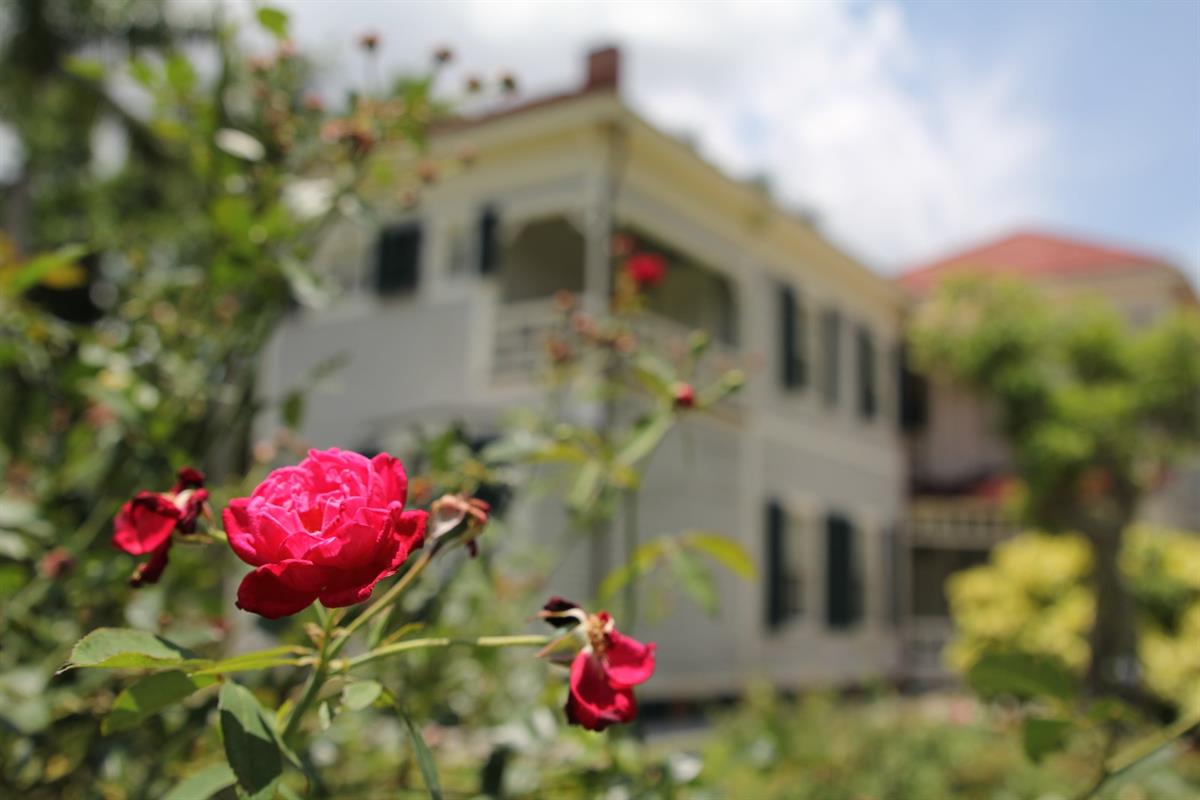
646 269
605 671
146 523
327 529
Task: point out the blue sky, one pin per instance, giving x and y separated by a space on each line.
909 127
1120 82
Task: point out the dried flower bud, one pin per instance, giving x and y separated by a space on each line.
369 41
443 55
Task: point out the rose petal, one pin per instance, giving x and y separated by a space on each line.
254 530
150 571
628 662
593 702
144 523
280 590
389 482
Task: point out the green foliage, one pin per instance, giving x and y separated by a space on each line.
251 743
1081 396
149 696
1032 601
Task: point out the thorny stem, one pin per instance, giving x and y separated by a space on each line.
532 640
315 680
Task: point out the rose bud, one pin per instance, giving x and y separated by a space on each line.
369 41
327 529
604 671
685 395
313 102
286 50
646 269
623 244
145 524
559 351
57 563
450 510
564 300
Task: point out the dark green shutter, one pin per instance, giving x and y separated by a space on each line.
867 390
914 394
831 348
775 555
398 259
793 326
489 248
843 607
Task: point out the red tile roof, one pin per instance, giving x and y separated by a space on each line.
1032 256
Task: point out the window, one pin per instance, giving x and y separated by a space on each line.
914 394
397 264
894 554
489 246
793 339
831 355
843 581
868 400
784 586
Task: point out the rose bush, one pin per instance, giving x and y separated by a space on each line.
327 529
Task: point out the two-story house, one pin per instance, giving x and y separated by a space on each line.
443 317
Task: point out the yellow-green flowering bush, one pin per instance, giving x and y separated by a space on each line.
1033 596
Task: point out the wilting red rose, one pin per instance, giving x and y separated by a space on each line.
327 529
646 269
146 523
605 671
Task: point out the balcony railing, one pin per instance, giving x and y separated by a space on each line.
958 523
522 330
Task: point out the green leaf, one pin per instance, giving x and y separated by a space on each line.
87 68
424 757
695 579
360 694
645 438
285 655
41 267
203 784
251 745
273 20
180 74
292 409
143 73
115 648
725 551
1041 736
586 486
149 696
645 558
1022 675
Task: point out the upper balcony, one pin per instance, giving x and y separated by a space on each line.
548 255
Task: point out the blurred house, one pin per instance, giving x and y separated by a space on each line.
960 470
443 319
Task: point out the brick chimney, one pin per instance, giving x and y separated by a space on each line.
603 70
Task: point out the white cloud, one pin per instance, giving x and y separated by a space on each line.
900 157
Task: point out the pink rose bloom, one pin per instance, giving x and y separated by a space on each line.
327 529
